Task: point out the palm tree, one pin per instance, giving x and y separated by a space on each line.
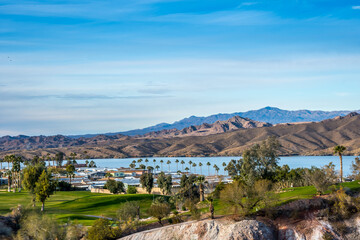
200 165
157 167
201 182
168 163
146 161
190 163
73 156
340 150
216 169
182 164
187 169
224 165
1 161
139 160
177 164
208 164
194 166
48 158
154 161
132 165
150 168
161 161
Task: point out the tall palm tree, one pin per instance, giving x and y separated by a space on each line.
201 182
146 161
182 164
208 164
194 166
216 169
157 167
177 164
339 149
187 169
139 160
224 165
200 165
190 163
154 161
161 161
168 163
48 158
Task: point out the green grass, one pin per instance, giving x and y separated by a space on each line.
77 205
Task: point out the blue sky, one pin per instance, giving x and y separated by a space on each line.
74 67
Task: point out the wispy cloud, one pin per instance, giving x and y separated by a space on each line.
356 7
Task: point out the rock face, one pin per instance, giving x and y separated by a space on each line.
209 229
307 228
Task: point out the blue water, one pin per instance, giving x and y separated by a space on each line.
293 162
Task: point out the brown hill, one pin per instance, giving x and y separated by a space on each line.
205 129
305 139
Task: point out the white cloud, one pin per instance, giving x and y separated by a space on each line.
356 7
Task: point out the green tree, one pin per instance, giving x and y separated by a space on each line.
146 162
129 212
73 157
92 164
224 166
70 170
131 190
322 178
31 175
161 182
159 211
194 166
200 165
177 164
339 150
157 167
44 187
147 181
245 198
59 158
154 161
190 164
182 164
168 163
168 184
216 169
114 186
161 161
201 183
101 230
208 164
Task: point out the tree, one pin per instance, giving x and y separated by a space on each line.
154 161
177 164
150 168
147 181
190 163
44 187
161 181
101 230
73 157
92 164
157 167
216 169
1 161
168 163
200 165
132 165
16 172
31 175
146 161
131 190
114 186
159 211
194 166
208 164
108 175
182 164
246 198
224 166
322 178
201 183
340 150
168 184
128 212
142 166
161 161
187 169
355 167
59 157
70 170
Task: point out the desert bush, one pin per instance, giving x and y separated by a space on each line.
128 212
102 230
159 211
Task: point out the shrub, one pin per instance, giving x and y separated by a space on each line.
159 210
131 190
128 212
101 230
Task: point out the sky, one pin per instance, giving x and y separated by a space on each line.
77 67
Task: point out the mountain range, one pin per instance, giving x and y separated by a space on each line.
271 115
314 138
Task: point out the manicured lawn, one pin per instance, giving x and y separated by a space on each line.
77 205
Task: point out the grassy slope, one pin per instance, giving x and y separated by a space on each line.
76 205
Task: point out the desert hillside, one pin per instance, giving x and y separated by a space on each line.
304 139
